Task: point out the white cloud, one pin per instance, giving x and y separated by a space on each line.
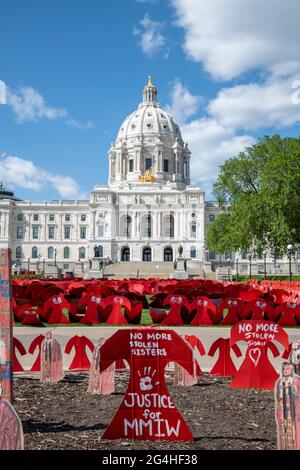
22 173
151 41
253 106
211 144
183 104
210 141
29 105
82 126
231 37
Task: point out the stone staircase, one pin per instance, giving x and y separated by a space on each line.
163 270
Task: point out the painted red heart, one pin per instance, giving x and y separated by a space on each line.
254 355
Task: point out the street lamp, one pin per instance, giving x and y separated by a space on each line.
265 263
237 267
290 250
28 264
228 261
44 262
38 262
55 253
250 266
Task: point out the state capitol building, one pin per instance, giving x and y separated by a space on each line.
148 209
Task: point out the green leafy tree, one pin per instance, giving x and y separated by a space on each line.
259 194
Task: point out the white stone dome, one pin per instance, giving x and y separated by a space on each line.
149 119
149 147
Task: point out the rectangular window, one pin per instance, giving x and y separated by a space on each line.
67 232
298 254
66 266
83 218
82 232
35 232
211 218
67 217
193 230
130 166
211 255
100 231
35 217
166 166
20 217
19 232
227 255
51 232
51 217
148 163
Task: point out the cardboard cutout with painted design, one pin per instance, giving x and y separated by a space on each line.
147 411
256 370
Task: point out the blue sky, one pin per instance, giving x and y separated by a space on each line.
75 69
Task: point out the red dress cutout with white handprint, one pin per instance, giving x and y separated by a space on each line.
147 411
224 365
258 310
80 345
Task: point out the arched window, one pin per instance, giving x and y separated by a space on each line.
100 251
50 252
66 252
34 252
168 254
193 252
81 252
147 254
125 256
18 252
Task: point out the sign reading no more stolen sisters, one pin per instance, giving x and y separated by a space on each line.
147 411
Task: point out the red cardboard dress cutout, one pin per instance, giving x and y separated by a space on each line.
258 310
224 365
56 308
93 309
80 360
36 343
206 311
176 303
256 370
287 314
147 411
235 310
196 346
17 346
116 316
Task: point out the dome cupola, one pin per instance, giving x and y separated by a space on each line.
149 147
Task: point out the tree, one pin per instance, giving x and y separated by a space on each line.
259 194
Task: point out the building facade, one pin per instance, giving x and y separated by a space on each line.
148 209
